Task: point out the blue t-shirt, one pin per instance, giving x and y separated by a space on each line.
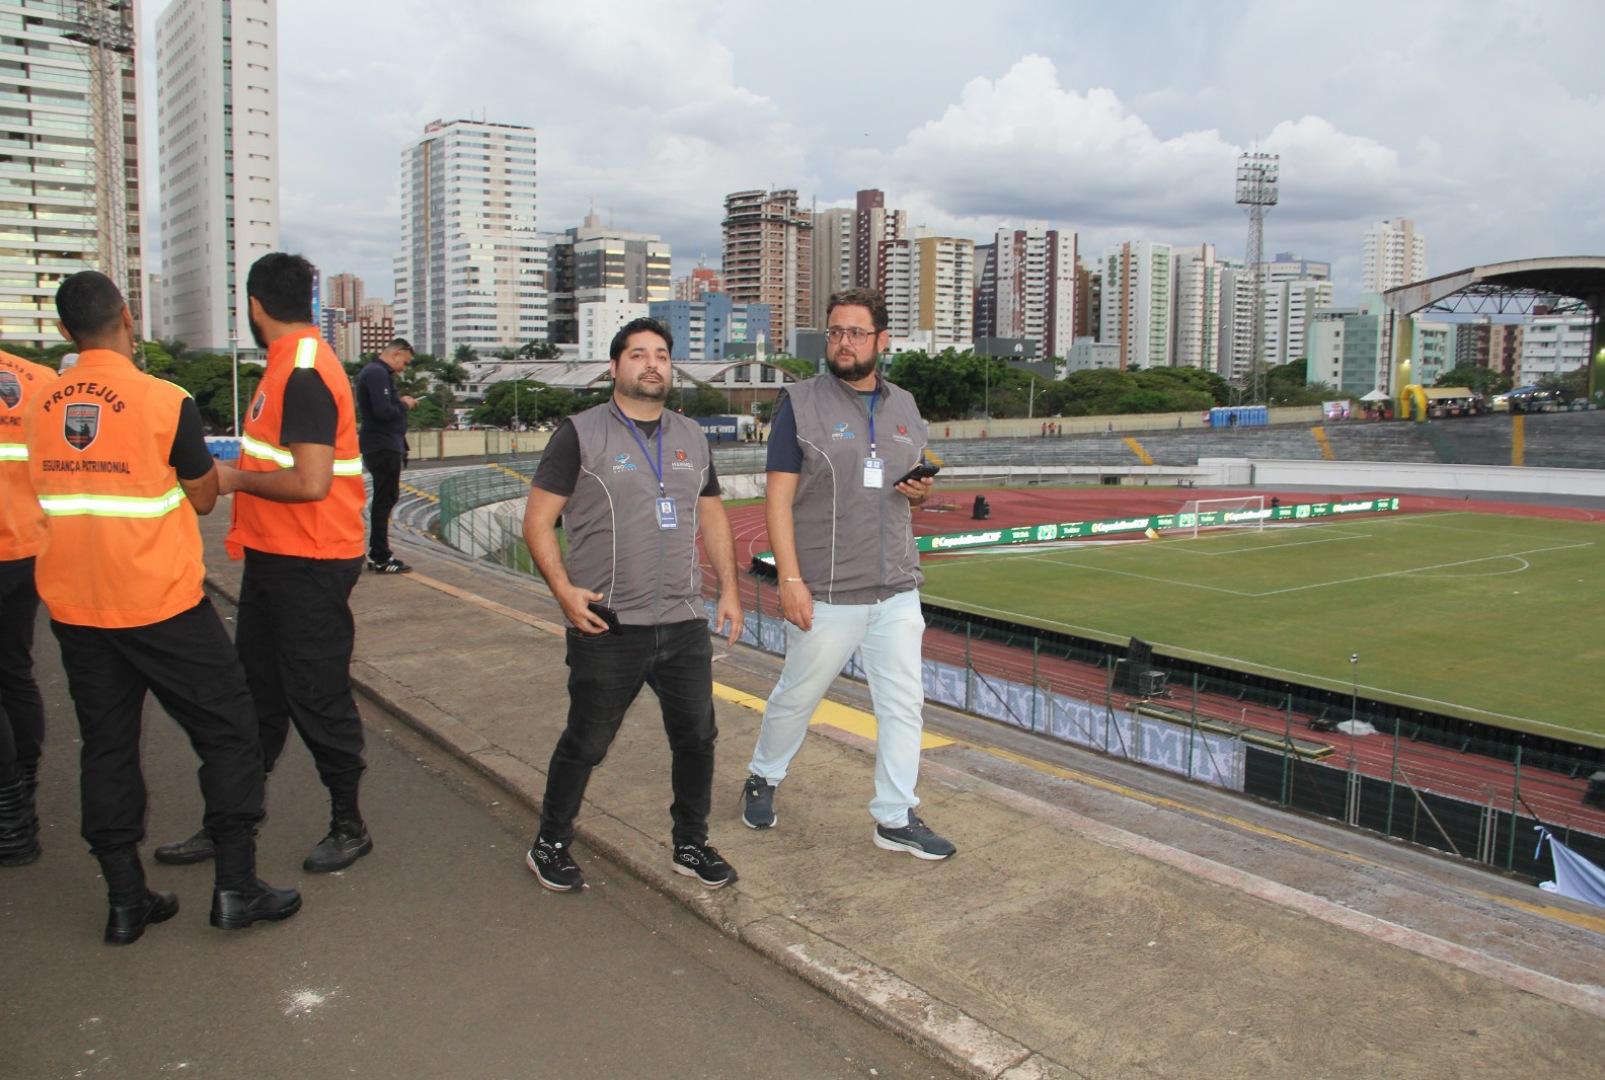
785 452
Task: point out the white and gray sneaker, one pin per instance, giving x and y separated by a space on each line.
916 838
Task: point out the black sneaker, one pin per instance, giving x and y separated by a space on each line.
554 867
916 838
758 803
703 863
391 565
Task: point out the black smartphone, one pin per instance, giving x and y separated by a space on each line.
606 614
923 471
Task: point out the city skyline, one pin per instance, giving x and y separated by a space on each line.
652 116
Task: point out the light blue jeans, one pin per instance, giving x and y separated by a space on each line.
887 635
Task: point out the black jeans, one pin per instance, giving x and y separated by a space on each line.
190 665
295 636
385 468
22 710
605 674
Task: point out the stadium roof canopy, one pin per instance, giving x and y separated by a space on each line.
1566 284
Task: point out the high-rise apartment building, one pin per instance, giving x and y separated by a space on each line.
472 268
343 291
1289 307
1553 345
1089 300
217 131
769 259
1036 288
71 181
1393 254
1137 303
1236 352
874 226
1197 303
592 258
1485 343
833 256
699 283
985 290
704 329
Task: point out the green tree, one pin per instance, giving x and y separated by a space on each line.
426 415
1480 380
803 369
538 350
535 402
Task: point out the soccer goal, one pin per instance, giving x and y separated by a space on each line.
1243 512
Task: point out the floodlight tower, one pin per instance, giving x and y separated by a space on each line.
104 28
1256 192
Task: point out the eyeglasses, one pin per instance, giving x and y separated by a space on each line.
856 334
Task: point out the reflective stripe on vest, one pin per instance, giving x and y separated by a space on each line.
126 506
13 451
285 460
306 353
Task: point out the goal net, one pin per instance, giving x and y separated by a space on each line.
1243 512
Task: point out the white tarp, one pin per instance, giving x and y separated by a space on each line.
1575 876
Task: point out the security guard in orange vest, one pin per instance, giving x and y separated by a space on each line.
298 525
120 466
22 534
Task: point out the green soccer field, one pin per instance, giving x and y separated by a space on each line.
1498 619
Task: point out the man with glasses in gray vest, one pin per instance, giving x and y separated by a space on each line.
840 525
633 482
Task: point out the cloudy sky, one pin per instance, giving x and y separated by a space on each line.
1481 121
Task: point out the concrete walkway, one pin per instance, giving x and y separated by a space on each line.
1054 944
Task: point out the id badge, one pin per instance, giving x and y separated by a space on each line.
667 519
874 472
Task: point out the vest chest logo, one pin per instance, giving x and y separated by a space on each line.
259 404
80 424
10 389
842 431
682 461
622 463
902 435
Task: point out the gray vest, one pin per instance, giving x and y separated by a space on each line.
855 545
646 574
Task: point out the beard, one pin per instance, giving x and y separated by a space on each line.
256 333
645 391
848 369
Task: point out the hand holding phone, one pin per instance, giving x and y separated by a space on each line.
606 614
923 471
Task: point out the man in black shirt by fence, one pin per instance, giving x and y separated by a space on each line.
383 440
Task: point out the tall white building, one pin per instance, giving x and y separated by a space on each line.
597 320
217 133
1236 351
1035 288
54 224
472 269
927 282
1137 303
1290 306
833 256
1552 345
1198 309
1393 254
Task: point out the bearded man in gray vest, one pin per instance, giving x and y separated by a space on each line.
840 525
633 483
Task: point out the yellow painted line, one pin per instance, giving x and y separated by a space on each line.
1136 448
514 473
858 722
933 457
1518 440
1325 443
830 713
418 493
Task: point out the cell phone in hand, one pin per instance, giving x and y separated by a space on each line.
923 471
606 614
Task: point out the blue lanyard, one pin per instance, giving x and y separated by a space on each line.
872 422
657 467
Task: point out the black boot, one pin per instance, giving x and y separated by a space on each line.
197 848
19 828
133 906
348 838
240 898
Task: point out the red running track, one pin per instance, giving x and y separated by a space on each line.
1472 778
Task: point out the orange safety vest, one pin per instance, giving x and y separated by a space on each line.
332 527
124 547
22 523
